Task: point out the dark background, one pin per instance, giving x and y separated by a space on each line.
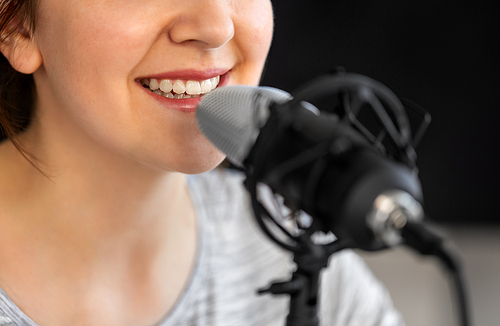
443 55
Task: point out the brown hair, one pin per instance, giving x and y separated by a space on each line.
16 89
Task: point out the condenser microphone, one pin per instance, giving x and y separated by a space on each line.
318 164
358 183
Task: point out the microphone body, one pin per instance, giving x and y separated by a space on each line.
318 164
336 170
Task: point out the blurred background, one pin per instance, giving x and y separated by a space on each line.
443 55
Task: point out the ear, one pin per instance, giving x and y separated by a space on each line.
22 51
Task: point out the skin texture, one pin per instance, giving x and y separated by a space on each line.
108 236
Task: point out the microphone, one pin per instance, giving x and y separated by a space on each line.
319 163
360 185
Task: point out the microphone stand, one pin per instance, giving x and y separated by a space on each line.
303 288
304 301
310 259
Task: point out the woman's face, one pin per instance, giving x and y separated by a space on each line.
98 54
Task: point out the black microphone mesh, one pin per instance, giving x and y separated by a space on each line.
230 117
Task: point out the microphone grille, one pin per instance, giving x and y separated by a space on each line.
230 117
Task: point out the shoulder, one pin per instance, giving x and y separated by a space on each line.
6 308
238 258
5 321
354 296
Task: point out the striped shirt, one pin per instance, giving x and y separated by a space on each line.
234 260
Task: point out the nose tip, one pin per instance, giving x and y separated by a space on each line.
210 25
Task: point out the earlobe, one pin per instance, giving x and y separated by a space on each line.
22 52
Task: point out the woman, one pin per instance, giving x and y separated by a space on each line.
99 223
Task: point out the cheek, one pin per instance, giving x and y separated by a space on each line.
262 19
253 35
88 55
87 46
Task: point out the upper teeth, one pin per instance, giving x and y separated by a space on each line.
173 88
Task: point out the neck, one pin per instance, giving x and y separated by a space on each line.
100 227
94 196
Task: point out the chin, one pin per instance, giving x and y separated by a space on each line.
199 167
201 157
190 154
194 163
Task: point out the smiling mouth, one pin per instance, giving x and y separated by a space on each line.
180 89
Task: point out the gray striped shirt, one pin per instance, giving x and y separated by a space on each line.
235 259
